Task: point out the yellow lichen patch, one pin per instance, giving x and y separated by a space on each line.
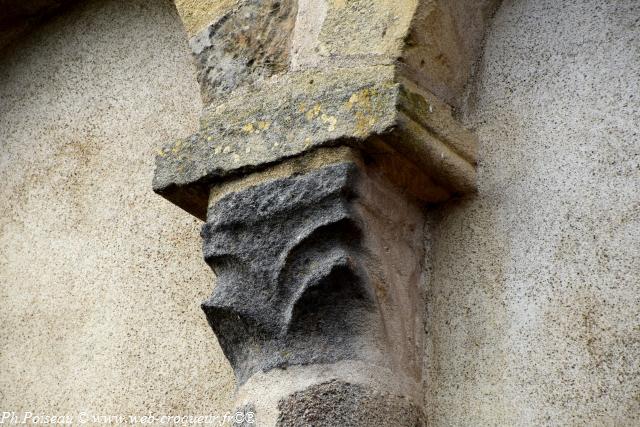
161 153
257 128
313 112
364 123
354 99
330 121
363 103
176 146
361 98
338 4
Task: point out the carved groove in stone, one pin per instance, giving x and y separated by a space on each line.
290 281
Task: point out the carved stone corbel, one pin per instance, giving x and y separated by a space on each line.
319 269
327 126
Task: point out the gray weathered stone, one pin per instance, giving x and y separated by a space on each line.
284 118
319 257
290 285
247 44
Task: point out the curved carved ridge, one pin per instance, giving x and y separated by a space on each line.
316 257
287 256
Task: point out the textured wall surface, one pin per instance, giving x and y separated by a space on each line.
534 305
100 279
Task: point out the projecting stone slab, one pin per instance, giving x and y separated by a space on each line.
282 78
283 118
298 112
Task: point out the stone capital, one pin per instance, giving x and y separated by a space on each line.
318 264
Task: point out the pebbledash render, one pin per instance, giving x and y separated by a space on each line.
417 212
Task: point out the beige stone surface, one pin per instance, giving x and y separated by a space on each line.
444 43
360 28
535 304
100 279
197 14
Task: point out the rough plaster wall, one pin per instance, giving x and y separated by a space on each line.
100 279
535 304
